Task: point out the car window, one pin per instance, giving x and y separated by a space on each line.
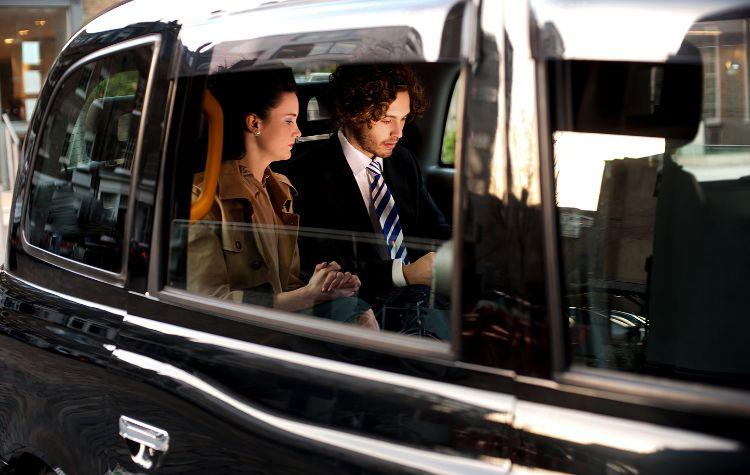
654 233
448 151
82 170
269 238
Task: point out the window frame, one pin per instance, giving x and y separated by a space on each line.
114 278
295 323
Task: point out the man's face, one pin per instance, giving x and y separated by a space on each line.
381 137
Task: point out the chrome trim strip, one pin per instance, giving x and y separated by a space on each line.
135 170
313 138
129 44
655 391
85 270
586 428
395 453
308 326
524 470
76 300
154 269
500 403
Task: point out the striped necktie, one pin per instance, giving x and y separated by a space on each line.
385 210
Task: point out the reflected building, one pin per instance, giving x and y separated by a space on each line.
31 36
726 103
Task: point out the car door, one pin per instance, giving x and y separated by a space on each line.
210 385
642 218
63 287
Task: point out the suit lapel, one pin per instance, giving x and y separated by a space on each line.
345 191
398 186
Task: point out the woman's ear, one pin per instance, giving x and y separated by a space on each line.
252 124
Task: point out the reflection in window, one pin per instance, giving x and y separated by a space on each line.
654 234
448 153
81 180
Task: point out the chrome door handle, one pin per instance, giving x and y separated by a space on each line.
146 442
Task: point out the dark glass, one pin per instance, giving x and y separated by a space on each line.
654 232
82 173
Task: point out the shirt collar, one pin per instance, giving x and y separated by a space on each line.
357 160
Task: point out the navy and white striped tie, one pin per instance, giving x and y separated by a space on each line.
385 210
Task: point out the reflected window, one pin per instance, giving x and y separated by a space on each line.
82 173
654 233
448 151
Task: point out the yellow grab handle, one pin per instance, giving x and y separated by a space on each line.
200 207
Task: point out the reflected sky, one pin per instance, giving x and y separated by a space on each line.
580 159
615 30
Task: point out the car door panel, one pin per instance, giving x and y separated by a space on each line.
304 407
565 430
54 384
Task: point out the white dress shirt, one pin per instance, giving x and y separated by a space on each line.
358 162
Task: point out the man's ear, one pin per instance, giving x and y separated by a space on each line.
252 123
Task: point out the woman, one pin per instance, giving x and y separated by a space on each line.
245 249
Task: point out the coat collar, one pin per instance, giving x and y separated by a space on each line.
232 185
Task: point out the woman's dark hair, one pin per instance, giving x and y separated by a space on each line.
362 93
252 92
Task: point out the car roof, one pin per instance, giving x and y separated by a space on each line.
403 30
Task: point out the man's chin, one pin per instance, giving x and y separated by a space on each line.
385 153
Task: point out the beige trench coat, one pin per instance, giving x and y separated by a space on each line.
225 258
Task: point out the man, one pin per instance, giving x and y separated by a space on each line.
363 181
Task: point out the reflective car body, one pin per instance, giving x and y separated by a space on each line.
119 372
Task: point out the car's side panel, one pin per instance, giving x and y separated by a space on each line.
58 327
565 429
289 411
53 356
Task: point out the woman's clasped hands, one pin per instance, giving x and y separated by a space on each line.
328 282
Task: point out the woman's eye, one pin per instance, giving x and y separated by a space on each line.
386 122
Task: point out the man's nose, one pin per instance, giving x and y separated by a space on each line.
398 130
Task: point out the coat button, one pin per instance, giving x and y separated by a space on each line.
256 265
237 245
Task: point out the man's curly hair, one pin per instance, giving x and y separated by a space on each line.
362 93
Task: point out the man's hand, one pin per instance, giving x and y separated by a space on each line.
420 271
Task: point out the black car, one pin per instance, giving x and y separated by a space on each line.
592 159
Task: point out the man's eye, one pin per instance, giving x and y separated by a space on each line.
386 121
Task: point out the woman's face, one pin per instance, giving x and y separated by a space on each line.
279 131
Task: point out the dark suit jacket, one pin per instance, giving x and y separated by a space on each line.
329 199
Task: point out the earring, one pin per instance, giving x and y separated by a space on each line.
257 132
